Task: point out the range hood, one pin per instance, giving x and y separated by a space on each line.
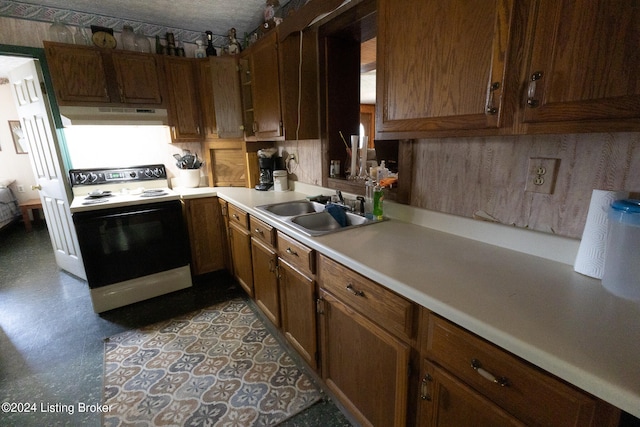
74 115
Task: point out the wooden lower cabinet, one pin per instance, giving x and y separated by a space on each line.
240 240
265 280
448 402
364 365
207 235
298 309
453 357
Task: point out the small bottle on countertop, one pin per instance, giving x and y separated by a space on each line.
378 198
368 198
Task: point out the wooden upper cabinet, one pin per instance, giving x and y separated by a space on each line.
138 78
225 83
266 87
441 65
299 86
184 111
207 97
585 61
78 74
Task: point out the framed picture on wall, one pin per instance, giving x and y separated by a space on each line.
19 141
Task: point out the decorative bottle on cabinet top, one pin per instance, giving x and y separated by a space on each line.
59 32
142 43
128 38
211 51
200 50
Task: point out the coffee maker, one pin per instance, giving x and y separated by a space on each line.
265 165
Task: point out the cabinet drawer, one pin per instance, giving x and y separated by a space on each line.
525 391
381 305
238 216
296 253
261 231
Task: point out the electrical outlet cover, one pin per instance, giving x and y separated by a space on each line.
542 175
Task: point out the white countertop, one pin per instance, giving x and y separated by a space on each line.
539 309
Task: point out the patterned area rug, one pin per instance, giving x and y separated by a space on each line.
217 366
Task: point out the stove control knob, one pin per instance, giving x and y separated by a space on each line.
92 177
132 174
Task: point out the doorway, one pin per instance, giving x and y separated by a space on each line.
31 92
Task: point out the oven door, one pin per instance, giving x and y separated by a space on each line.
123 243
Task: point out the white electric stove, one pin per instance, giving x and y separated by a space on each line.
131 232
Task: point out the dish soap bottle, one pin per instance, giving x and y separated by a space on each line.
378 198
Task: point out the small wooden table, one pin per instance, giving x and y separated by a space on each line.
25 207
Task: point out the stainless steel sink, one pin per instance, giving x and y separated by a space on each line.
310 217
294 208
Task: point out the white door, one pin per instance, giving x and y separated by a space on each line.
44 155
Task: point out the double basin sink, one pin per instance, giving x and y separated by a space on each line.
311 218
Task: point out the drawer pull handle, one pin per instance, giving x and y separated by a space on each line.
292 252
257 230
235 216
424 384
354 291
477 366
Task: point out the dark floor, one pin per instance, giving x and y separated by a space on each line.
51 341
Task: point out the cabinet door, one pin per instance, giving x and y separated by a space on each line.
138 78
77 73
441 65
266 87
207 102
299 86
227 99
184 111
206 234
240 240
585 59
365 366
298 305
265 280
447 402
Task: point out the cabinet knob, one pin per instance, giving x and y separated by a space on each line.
532 102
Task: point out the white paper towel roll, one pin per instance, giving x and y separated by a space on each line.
590 258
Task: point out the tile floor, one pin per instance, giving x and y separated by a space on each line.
51 341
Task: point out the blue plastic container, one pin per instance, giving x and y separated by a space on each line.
621 274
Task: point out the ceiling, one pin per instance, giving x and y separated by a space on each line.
217 16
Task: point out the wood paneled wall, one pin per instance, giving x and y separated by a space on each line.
309 154
462 176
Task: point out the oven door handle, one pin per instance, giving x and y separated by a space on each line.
125 214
